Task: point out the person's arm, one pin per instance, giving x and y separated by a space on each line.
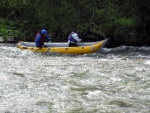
48 38
75 36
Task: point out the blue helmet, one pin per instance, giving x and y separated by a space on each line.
43 31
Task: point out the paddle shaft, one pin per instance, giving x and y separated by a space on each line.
39 48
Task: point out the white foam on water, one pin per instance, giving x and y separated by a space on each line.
147 62
40 83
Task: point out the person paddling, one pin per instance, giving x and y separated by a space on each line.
41 38
73 38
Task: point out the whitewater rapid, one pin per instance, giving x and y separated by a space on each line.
109 81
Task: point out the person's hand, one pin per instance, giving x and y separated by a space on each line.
40 47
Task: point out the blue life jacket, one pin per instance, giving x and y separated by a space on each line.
40 39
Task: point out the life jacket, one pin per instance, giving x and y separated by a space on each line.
71 39
40 40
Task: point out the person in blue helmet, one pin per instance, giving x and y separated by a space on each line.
73 38
41 38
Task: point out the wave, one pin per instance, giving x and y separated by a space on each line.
127 51
122 51
126 48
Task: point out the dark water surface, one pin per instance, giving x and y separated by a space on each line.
115 80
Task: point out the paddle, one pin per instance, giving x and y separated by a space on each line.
39 49
42 47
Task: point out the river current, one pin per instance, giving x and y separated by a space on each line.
113 80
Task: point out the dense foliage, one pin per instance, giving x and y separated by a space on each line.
124 21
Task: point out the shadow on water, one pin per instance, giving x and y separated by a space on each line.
19 74
120 103
16 74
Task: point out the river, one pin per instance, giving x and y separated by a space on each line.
113 80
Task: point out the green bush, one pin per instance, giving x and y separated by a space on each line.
8 29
